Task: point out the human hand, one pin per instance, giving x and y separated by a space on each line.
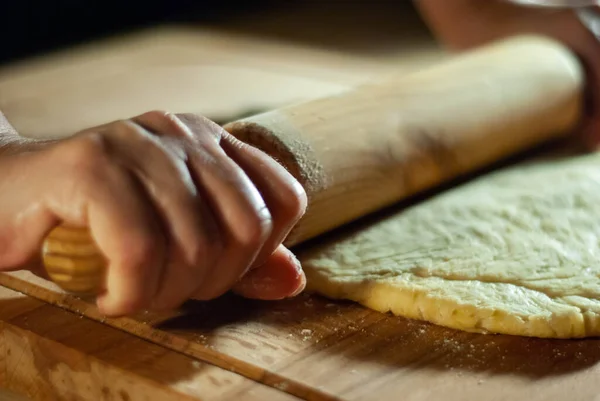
464 24
179 208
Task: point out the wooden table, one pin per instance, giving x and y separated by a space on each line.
58 347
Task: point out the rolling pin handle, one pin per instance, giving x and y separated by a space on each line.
73 261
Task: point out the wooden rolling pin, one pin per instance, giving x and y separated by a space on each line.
377 144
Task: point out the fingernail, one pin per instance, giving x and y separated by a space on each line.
301 273
296 262
301 287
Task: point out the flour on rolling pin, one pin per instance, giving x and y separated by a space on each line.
281 140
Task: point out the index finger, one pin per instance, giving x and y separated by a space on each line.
285 198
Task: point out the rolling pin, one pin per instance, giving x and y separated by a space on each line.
375 145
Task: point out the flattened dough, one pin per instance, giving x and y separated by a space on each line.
514 252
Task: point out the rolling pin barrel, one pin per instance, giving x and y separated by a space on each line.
380 143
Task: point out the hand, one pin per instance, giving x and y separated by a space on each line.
464 24
179 207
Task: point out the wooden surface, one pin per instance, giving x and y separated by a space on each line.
309 347
322 350
47 353
7 395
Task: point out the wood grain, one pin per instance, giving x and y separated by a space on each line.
47 353
318 349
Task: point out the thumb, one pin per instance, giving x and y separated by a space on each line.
281 276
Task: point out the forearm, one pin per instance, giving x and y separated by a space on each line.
462 24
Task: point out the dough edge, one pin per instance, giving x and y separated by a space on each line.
327 275
420 304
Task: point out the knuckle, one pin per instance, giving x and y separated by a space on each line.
253 230
201 127
123 129
165 124
295 201
86 157
163 116
158 114
86 150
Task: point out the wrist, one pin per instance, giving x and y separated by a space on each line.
11 142
20 144
9 137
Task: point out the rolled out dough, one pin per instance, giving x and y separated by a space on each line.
514 252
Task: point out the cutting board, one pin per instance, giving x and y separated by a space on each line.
47 353
318 349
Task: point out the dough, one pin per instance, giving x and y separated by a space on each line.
514 252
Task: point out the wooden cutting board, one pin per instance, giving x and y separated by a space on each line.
317 349
47 353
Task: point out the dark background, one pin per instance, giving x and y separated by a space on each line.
369 27
29 27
